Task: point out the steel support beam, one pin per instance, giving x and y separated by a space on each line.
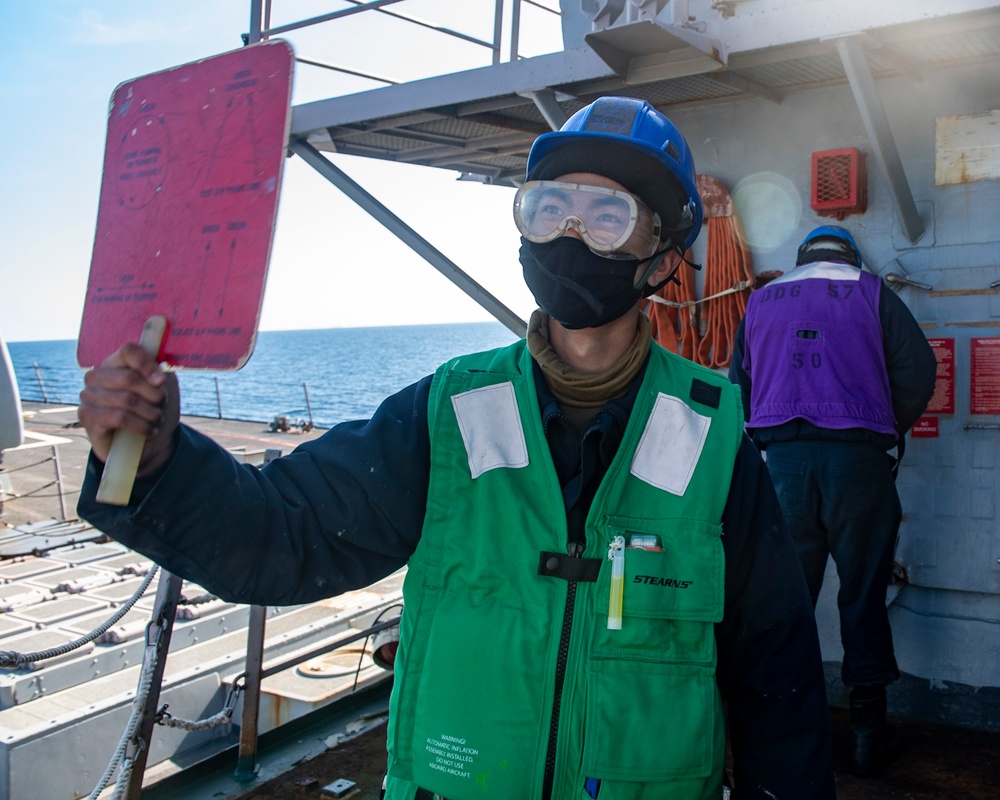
547 105
408 236
246 763
158 631
256 18
876 124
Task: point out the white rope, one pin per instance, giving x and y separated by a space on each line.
138 707
124 777
149 661
736 287
224 717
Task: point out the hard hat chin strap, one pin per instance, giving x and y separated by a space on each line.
654 264
656 259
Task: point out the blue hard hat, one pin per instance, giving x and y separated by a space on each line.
828 232
628 141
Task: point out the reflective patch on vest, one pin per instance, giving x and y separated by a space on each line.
491 428
820 270
671 445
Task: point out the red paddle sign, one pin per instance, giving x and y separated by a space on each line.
189 195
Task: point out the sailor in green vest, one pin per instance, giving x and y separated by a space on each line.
599 583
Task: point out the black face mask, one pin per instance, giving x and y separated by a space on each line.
577 287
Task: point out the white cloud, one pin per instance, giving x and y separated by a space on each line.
91 28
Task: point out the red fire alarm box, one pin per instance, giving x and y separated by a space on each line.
839 182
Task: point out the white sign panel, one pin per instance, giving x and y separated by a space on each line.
967 148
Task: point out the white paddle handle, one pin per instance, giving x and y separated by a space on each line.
126 447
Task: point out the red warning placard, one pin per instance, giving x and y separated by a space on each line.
943 400
925 428
189 195
984 392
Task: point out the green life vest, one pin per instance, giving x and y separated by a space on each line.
487 636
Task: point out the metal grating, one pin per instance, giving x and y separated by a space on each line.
381 141
521 112
955 48
681 90
476 127
797 73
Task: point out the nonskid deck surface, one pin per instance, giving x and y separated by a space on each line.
938 763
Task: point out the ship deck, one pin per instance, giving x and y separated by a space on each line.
60 579
939 760
30 470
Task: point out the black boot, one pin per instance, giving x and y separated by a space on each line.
876 743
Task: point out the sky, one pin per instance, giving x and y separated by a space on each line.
331 264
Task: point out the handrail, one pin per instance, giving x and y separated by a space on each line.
132 751
134 747
373 5
257 671
261 30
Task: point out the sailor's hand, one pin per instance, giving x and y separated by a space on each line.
130 391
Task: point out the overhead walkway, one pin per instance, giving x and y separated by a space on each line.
481 122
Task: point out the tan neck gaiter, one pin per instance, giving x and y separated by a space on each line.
580 392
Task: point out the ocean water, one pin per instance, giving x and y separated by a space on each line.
328 376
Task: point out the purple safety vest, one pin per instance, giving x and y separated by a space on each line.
813 350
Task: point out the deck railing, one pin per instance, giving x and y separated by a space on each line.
504 28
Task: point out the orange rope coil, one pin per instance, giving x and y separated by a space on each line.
703 331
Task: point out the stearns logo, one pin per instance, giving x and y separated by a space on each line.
653 580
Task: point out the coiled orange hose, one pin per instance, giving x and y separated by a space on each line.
703 331
675 322
727 266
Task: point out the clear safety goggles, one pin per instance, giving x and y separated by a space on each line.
606 219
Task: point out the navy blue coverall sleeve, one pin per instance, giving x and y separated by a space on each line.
336 514
737 374
909 360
